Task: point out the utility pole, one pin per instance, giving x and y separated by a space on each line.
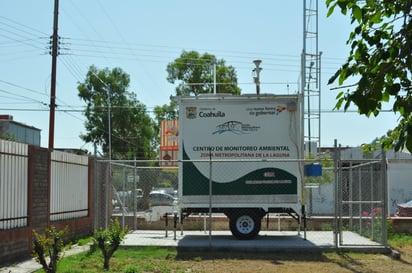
54 52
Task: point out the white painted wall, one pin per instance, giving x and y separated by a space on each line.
322 200
399 189
399 183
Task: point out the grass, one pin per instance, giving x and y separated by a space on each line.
85 241
125 259
169 260
397 240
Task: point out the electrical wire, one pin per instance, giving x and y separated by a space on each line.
29 28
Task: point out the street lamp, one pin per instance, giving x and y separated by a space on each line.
109 117
256 75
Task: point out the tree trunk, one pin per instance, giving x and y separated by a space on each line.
106 264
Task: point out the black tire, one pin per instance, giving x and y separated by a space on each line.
245 225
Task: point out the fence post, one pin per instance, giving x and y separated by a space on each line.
385 209
335 196
134 195
95 191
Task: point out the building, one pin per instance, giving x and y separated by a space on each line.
18 131
399 183
169 131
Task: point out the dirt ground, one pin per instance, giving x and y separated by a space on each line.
304 262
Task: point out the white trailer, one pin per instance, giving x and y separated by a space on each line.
241 156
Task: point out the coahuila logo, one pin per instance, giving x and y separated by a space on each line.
235 127
191 113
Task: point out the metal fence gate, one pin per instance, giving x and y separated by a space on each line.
361 201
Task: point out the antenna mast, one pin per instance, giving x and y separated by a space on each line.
310 77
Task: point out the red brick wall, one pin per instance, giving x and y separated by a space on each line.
16 244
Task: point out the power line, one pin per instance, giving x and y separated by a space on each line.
21 96
72 69
17 34
72 109
24 26
119 53
22 87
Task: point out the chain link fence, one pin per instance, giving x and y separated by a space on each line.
362 200
347 197
141 192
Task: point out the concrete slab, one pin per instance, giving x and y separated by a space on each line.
266 241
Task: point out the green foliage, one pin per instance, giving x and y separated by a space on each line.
84 241
387 141
380 59
374 224
196 76
8 136
127 259
198 259
166 112
108 240
49 244
131 126
161 259
398 240
327 227
132 269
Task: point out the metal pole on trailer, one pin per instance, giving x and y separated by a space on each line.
304 221
166 224
174 225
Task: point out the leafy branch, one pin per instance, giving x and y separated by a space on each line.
48 246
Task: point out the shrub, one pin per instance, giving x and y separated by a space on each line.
48 244
109 239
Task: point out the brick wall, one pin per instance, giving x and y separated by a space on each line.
39 163
102 191
16 244
402 225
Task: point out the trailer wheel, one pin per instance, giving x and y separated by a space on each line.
245 225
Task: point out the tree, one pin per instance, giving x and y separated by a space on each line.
166 112
108 240
131 126
8 136
196 74
47 248
380 60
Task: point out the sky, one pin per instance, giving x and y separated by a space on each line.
143 36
